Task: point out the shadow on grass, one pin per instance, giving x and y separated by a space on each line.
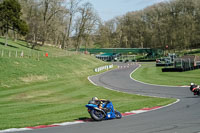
23 45
8 45
28 47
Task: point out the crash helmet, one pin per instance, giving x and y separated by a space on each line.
95 99
192 84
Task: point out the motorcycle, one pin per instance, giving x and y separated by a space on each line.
106 113
195 90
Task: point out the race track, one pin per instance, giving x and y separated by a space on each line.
182 117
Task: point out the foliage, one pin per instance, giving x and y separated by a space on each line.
170 25
58 22
10 12
173 23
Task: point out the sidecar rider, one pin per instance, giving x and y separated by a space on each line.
100 103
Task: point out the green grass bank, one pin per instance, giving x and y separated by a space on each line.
149 73
55 89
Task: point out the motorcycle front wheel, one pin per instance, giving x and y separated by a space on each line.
118 115
97 115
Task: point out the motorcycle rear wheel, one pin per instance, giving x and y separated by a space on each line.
97 115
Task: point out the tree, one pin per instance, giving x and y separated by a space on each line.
50 8
175 23
85 23
110 33
72 9
32 15
10 12
46 21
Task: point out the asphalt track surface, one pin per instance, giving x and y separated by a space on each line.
182 117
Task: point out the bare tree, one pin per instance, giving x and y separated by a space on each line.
85 23
174 23
49 10
44 18
72 9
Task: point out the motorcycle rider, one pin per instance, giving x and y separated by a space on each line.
195 88
192 86
100 103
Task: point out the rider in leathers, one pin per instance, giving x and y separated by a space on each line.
100 103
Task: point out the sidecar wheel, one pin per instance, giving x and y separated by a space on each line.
118 115
97 115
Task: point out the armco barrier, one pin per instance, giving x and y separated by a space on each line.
99 69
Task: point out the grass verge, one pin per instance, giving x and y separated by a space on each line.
61 96
149 73
53 90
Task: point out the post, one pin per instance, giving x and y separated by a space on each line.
189 64
22 54
38 56
9 54
46 54
16 54
181 64
30 53
2 53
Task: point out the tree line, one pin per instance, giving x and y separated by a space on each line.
64 23
172 24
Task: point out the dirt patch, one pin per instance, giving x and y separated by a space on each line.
34 78
30 95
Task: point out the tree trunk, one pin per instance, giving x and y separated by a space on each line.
6 41
63 41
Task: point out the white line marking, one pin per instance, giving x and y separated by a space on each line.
138 111
69 123
178 100
149 83
91 81
143 111
79 122
14 130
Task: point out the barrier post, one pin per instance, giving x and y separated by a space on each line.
9 54
2 53
46 54
38 56
16 54
22 54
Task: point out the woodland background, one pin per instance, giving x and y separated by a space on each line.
75 24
